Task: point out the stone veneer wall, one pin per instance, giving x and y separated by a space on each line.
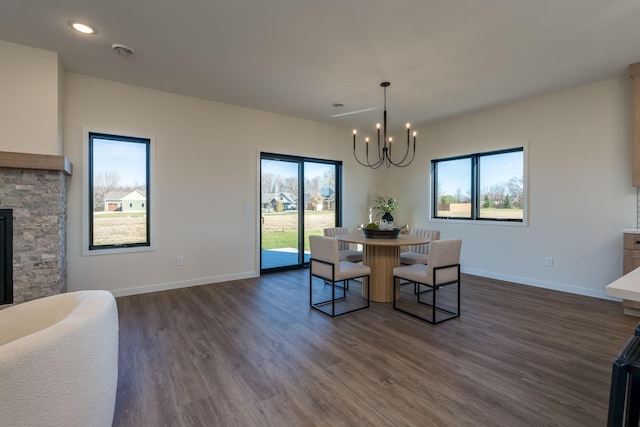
38 199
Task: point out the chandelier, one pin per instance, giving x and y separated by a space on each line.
384 147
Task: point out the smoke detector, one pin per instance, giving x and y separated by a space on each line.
122 50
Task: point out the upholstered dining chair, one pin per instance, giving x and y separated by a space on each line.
346 253
325 264
442 269
417 254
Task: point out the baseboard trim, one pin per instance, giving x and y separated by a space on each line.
182 284
540 284
248 275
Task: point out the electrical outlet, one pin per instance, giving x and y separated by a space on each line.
548 261
179 261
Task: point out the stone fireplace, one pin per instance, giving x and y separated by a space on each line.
34 188
6 256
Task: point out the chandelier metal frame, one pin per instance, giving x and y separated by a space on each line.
384 148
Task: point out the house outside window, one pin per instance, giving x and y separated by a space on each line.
119 178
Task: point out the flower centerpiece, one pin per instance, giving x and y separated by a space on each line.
385 205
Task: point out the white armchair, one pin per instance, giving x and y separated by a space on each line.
59 361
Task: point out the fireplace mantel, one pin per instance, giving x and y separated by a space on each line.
35 161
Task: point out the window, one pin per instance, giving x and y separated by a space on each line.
484 186
118 191
300 196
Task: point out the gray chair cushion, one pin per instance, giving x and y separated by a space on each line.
409 258
350 255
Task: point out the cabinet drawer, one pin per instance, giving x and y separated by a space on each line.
630 260
632 241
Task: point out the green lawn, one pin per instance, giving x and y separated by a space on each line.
286 239
119 228
280 229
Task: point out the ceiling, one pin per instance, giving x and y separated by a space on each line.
299 57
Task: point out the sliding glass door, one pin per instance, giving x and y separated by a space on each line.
299 198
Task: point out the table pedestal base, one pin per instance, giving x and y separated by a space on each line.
382 260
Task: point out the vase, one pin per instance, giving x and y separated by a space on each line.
387 220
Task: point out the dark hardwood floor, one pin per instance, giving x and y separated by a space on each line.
252 353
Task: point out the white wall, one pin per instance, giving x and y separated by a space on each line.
578 147
29 110
206 170
579 187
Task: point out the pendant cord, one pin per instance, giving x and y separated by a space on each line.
385 98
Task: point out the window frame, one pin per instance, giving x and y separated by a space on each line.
88 248
476 191
301 161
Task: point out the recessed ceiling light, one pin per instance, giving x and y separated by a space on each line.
83 28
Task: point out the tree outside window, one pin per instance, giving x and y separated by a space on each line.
483 186
118 191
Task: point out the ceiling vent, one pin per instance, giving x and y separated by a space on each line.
122 50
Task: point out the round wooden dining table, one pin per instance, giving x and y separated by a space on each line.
382 256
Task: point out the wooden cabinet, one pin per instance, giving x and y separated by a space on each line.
630 261
634 73
631 257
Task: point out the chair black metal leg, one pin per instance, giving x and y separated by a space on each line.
432 318
395 283
310 289
323 306
333 299
433 307
367 279
458 293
